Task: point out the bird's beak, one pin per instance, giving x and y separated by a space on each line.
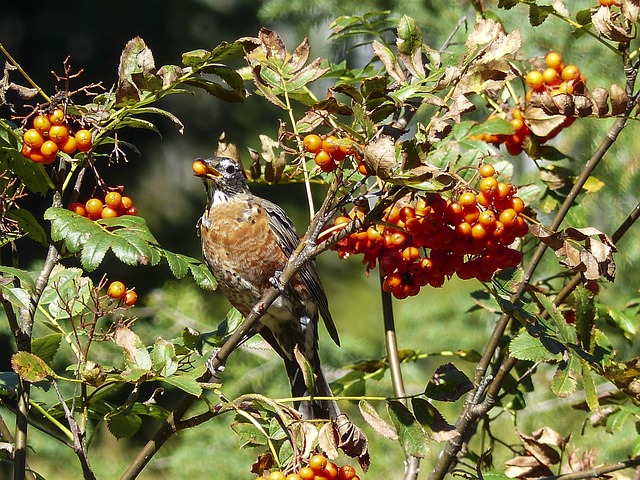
201 168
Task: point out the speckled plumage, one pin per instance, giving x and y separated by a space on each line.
246 241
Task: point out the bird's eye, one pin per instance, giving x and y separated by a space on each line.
230 169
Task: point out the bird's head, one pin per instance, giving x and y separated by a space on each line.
223 177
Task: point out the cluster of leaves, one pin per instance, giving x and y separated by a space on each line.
407 80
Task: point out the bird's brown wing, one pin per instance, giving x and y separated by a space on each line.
286 233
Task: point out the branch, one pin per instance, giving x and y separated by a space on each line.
597 472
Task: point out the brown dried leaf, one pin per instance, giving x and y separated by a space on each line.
300 55
619 100
262 463
608 25
24 92
353 441
526 467
580 463
255 171
328 440
270 158
380 157
545 453
564 103
630 10
541 123
389 61
225 149
272 44
560 7
583 105
376 422
600 96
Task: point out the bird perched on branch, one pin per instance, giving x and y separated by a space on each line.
246 243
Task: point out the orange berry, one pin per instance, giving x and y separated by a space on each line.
330 144
467 199
58 133
83 138
94 207
503 190
130 298
363 169
410 254
478 231
56 117
113 199
199 167
487 218
517 204
346 472
324 161
553 60
78 208
293 476
487 170
277 475
317 463
330 472
488 186
306 473
108 212
508 217
69 146
550 76
570 72
42 123
49 149
33 138
126 202
534 79
116 290
312 143
36 156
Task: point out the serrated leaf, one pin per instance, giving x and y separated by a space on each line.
412 436
177 264
136 355
195 58
566 333
526 347
158 111
564 381
215 89
163 358
538 14
590 391
203 276
32 175
448 384
26 281
185 383
30 367
28 224
124 424
18 297
375 421
46 347
94 250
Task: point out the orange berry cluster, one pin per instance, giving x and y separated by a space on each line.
609 3
513 142
328 150
114 205
319 468
118 291
51 134
425 239
556 78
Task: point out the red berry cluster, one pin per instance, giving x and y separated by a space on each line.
114 205
319 468
555 79
51 134
329 150
425 239
118 291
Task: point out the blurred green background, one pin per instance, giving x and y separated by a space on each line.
40 35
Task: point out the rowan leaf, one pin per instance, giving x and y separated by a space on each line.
30 367
412 436
448 384
375 421
46 347
124 424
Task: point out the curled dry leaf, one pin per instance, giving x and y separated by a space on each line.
600 96
274 165
580 462
353 441
593 259
630 10
619 99
526 467
608 25
380 157
225 149
540 122
376 422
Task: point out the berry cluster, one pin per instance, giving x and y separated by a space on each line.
555 79
425 239
51 134
118 291
319 468
609 3
114 205
329 151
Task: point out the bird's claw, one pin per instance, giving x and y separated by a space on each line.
214 370
275 281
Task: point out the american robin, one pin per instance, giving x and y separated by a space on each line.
246 242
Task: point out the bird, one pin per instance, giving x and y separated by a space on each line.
246 243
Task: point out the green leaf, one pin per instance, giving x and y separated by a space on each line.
195 58
352 384
94 251
124 424
26 281
564 381
177 264
585 315
448 384
28 224
32 175
185 383
566 333
46 347
215 89
411 435
18 297
375 421
203 276
30 367
526 347
538 14
495 126
163 358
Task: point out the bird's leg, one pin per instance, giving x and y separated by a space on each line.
275 281
215 365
